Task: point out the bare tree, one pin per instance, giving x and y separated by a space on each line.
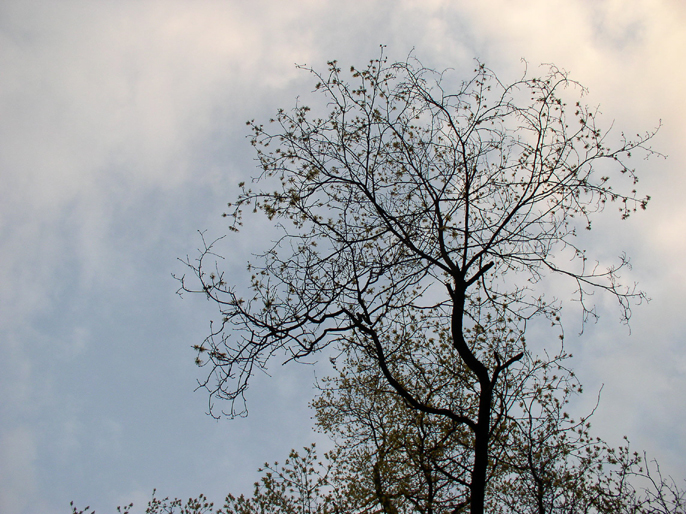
420 212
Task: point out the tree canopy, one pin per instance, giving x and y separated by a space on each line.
421 221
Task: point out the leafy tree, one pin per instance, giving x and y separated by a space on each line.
305 484
406 461
421 222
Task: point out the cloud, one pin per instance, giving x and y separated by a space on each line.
18 483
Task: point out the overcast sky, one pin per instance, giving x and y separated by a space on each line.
122 133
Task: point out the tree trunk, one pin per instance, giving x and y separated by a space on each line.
479 472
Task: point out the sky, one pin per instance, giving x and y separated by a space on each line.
122 134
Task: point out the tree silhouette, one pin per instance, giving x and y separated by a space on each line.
421 219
